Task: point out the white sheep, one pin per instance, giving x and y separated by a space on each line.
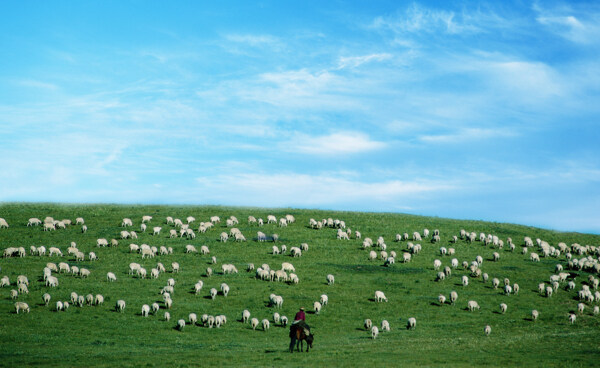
265 324
21 306
175 267
580 307
380 296
198 286
110 276
156 230
572 318
120 305
374 332
224 289
507 289
317 307
330 279
213 293
4 224
99 300
368 324
324 299
472 305
209 272
59 306
503 308
437 264
46 297
495 283
385 325
465 280
254 323
487 330
411 324
181 324
245 316
534 315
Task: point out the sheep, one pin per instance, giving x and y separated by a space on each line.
572 318
374 332
198 287
276 317
156 230
284 321
59 306
245 316
265 324
141 272
503 308
84 228
46 297
411 324
580 307
330 279
102 242
385 325
496 256
254 323
21 306
487 330
190 249
261 237
204 250
303 247
99 299
534 257
168 303
22 289
14 294
406 257
495 283
472 305
51 281
54 250
465 280
516 289
507 289
213 293
596 309
80 300
3 223
372 255
549 291
534 315
192 318
324 299
317 307
441 276
213 259
110 276
380 296
180 324
92 256
209 272
175 267
224 289
120 306
368 324
295 252
437 264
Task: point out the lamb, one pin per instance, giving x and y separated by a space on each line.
330 279
245 316
495 283
496 256
80 301
51 281
380 296
487 330
34 221
406 257
284 321
275 250
276 317
288 267
209 272
412 323
374 332
516 289
190 249
5 281
254 323
193 318
441 276
84 228
210 321
156 230
92 256
54 250
99 300
317 307
472 305
507 289
265 324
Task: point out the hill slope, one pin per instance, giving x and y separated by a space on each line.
445 334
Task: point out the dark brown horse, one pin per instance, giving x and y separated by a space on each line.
298 336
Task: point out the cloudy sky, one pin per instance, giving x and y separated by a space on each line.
475 110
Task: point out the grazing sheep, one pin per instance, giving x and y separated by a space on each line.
193 318
265 324
111 277
175 267
46 297
84 272
472 305
441 276
168 303
89 299
507 289
284 321
190 249
411 324
181 324
437 264
4 224
276 317
465 280
368 324
496 256
572 318
99 300
380 296
21 306
549 291
324 299
14 294
254 323
503 308
213 293
534 315
580 307
245 316
209 272
102 242
495 283
516 289
487 330
441 299
224 289
198 286
385 325
213 259
374 332
120 305
317 307
59 306
330 279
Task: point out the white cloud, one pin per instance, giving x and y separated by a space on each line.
332 144
252 40
576 25
356 61
468 134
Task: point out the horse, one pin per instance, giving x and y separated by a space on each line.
297 336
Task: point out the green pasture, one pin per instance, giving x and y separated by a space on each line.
447 335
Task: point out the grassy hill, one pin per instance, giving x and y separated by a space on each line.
445 335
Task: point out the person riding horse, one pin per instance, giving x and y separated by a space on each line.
299 331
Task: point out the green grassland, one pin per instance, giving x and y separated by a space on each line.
447 335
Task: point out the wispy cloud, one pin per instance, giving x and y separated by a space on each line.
333 144
469 134
356 61
252 40
577 25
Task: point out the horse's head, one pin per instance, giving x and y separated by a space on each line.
309 340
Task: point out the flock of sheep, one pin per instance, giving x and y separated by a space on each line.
575 257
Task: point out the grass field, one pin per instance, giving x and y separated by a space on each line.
447 335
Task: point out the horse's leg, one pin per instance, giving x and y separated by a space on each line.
292 342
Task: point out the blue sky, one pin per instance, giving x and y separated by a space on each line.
477 110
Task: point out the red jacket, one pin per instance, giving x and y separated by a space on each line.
300 316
